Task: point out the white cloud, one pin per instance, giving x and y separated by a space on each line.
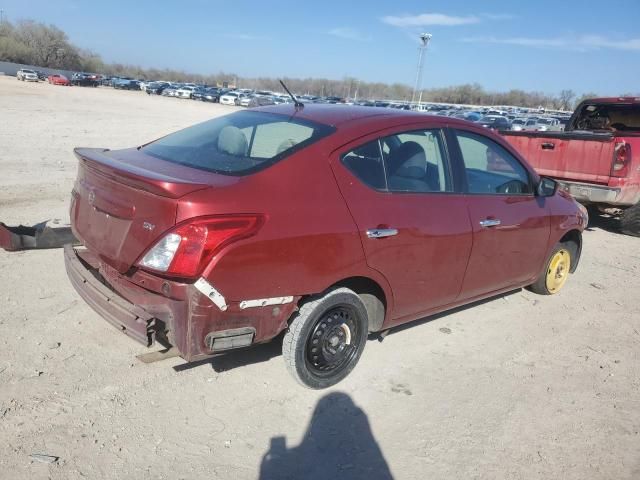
429 19
349 34
581 43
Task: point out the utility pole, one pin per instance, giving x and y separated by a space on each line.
1 17
424 42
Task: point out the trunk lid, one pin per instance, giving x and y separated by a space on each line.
124 200
567 155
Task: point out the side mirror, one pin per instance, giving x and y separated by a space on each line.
547 187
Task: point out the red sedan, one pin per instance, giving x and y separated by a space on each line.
324 222
58 80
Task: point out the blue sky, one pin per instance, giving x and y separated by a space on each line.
543 45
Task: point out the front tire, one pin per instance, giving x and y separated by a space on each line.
326 338
558 267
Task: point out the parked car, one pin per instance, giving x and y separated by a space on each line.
367 220
210 95
595 158
279 99
85 80
549 125
495 122
156 88
123 84
41 75
57 79
260 101
518 124
230 98
197 93
185 91
171 90
26 75
244 100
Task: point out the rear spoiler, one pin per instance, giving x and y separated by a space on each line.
50 234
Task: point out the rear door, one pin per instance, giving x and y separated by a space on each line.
414 227
510 224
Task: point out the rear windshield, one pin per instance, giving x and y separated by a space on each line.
624 117
238 144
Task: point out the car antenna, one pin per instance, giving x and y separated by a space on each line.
296 102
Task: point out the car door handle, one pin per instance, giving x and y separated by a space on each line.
382 232
489 222
548 146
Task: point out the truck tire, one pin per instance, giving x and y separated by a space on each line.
326 338
630 221
557 269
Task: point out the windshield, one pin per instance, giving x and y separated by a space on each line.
238 144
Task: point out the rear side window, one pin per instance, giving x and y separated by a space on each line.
490 168
365 162
413 162
238 144
416 162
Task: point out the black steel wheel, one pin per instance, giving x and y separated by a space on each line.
326 338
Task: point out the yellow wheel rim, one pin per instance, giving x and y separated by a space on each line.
558 270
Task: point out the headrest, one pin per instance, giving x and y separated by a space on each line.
232 141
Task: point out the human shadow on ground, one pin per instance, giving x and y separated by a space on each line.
338 444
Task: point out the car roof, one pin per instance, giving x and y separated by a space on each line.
334 115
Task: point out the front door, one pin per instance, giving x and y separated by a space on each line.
415 230
510 224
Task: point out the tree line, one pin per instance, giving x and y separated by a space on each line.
34 43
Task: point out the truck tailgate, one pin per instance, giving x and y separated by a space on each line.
569 156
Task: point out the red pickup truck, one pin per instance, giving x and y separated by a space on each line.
596 158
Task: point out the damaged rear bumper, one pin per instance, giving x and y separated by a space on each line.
185 317
42 235
125 316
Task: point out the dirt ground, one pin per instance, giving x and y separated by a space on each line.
520 387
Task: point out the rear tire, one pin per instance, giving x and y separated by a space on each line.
557 268
326 338
630 221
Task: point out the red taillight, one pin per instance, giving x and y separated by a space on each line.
187 249
621 160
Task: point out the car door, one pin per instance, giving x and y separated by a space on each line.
511 225
414 227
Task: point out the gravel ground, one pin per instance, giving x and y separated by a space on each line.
519 387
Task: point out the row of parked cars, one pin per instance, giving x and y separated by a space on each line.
225 96
513 119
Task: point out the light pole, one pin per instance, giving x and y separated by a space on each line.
424 42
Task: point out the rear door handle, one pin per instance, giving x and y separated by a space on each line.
489 222
382 232
548 146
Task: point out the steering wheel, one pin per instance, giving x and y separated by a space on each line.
512 186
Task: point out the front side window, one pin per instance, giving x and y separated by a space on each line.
238 144
490 168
